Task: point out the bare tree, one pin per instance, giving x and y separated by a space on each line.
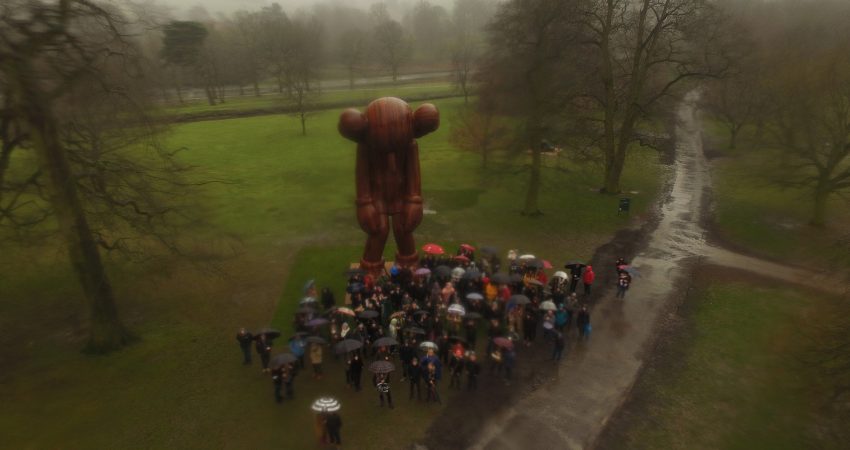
391 46
737 101
70 81
479 130
302 99
351 51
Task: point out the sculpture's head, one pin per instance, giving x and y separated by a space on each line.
388 124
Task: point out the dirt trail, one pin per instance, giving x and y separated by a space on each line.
596 377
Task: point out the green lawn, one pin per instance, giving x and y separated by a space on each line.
289 204
754 212
736 380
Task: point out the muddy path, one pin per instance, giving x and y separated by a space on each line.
567 405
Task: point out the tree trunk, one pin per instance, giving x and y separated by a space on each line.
613 171
105 330
819 207
531 205
303 124
210 95
256 89
279 84
350 78
733 136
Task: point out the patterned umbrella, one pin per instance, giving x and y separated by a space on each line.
560 274
428 345
457 309
381 367
326 404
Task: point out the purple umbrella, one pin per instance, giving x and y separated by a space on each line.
317 322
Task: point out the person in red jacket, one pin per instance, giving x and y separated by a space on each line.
587 278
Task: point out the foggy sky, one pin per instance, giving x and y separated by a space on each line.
181 7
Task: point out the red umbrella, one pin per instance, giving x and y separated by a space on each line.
547 264
503 342
461 258
467 247
433 249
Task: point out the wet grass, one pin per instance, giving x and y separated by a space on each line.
733 379
288 202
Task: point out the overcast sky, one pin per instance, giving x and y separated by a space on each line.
228 6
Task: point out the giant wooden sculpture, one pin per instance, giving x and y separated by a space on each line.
387 176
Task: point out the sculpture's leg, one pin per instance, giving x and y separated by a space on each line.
406 255
373 254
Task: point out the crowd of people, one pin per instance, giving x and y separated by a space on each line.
430 321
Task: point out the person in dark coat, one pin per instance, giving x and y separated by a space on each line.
407 354
278 383
583 322
471 332
456 365
431 382
623 282
264 349
381 381
287 375
575 275
414 375
333 424
245 339
328 300
356 367
473 368
560 343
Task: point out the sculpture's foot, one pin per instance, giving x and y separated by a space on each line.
407 261
374 268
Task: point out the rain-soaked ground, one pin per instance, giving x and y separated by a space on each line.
566 406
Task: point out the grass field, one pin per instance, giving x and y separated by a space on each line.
755 213
289 205
736 379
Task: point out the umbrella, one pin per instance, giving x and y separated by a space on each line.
536 263
307 301
355 271
548 325
516 278
467 247
520 299
433 249
317 322
385 341
281 359
472 315
548 305
462 258
474 296
316 340
500 278
414 330
326 404
547 264
422 271
561 274
270 333
368 314
457 309
471 274
381 367
527 256
428 345
631 270
458 272
443 271
490 250
535 282
420 312
348 345
308 285
397 314
574 262
344 311
503 342
305 310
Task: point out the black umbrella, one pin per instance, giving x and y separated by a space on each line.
368 314
472 315
471 274
385 342
520 299
282 359
536 263
270 333
414 330
500 278
348 345
442 271
381 367
458 339
487 250
516 278
573 262
420 312
316 340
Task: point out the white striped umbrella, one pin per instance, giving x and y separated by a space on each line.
457 309
326 404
